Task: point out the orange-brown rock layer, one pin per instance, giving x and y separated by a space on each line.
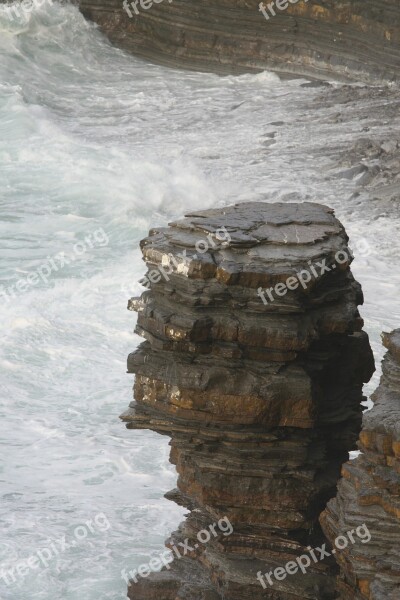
262 400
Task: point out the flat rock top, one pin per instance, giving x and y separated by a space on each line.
258 222
253 223
249 237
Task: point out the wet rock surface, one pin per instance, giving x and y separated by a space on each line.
369 494
262 400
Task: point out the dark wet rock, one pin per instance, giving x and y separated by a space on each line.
262 401
369 494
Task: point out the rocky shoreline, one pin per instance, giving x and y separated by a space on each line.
356 40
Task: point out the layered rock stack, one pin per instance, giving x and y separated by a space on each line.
258 381
369 495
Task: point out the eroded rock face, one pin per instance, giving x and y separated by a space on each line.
369 494
261 397
352 39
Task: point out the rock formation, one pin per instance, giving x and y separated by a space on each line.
260 396
369 494
351 39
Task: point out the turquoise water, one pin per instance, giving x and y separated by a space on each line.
96 147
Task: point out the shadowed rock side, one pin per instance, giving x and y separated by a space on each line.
351 39
262 401
370 493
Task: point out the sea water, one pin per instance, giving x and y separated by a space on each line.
96 147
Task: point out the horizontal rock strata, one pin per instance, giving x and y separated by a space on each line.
261 399
369 494
356 39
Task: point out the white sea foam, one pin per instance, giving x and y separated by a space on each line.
90 138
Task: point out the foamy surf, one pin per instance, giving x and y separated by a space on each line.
90 139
